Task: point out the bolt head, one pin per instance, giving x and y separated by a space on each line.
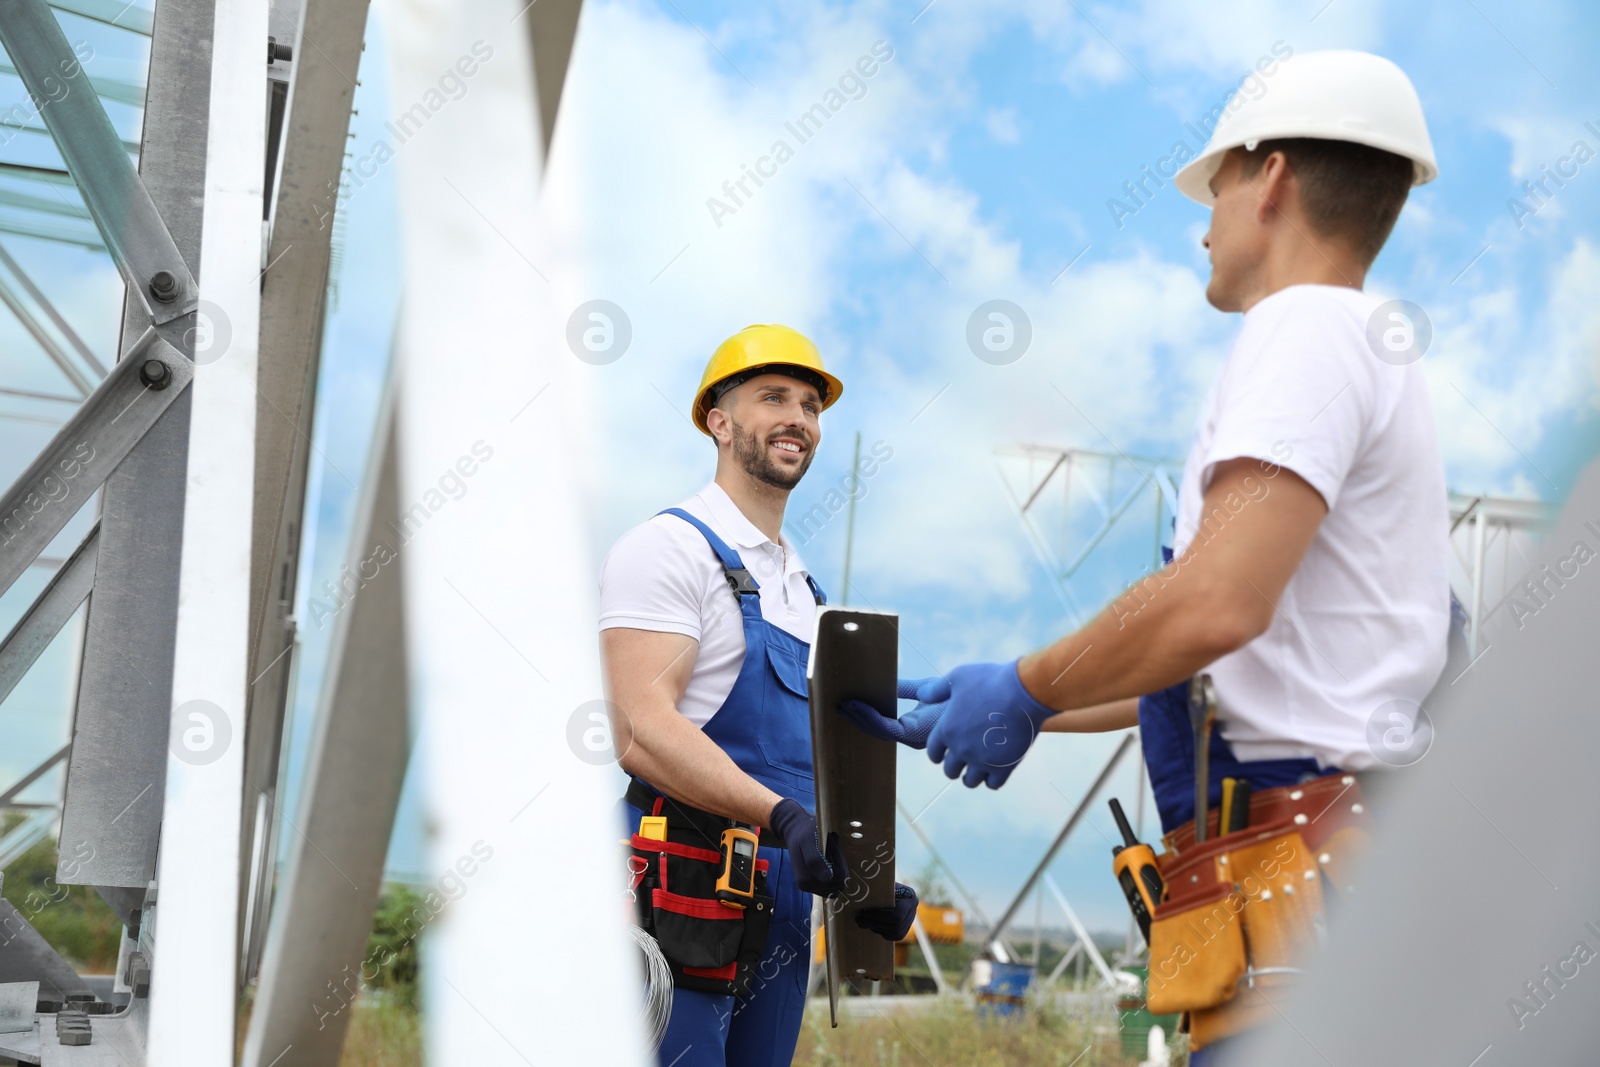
164 286
155 374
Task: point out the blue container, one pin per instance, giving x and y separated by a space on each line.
1006 991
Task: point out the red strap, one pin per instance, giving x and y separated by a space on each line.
693 906
706 855
727 974
655 809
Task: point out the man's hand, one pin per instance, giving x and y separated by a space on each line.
892 923
817 869
987 726
911 729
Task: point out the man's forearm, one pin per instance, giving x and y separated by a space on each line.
1130 651
1258 521
1117 715
672 754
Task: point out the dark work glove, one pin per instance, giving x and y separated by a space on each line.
911 729
891 924
817 869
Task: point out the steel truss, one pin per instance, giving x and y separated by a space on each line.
196 438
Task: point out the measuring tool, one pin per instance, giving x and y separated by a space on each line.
737 882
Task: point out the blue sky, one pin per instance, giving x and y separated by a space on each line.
977 164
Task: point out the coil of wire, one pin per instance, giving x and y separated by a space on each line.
658 986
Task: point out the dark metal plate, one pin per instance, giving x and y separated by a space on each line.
855 656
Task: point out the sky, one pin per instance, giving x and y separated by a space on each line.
987 156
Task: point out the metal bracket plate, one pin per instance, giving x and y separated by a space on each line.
855 656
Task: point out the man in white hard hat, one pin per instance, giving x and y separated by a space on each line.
1307 574
706 613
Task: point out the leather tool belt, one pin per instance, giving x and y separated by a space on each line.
710 947
1243 913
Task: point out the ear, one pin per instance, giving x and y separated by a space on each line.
1272 185
720 425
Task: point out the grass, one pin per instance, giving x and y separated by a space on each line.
384 1032
951 1034
72 918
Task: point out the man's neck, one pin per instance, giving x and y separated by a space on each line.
1298 259
761 503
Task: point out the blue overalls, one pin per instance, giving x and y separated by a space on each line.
764 726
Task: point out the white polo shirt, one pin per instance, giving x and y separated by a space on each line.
663 575
1363 622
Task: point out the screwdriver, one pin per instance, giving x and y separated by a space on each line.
1134 864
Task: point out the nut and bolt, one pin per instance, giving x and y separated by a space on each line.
164 286
155 374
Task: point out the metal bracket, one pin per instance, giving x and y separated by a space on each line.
87 449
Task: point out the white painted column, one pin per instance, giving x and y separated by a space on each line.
526 957
194 971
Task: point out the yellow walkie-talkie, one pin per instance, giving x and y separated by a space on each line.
737 883
1134 864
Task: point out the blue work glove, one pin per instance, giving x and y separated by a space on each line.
817 869
912 728
987 725
892 923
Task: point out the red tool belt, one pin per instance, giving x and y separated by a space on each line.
1243 913
711 947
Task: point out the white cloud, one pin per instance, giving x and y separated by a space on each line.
1507 364
1002 125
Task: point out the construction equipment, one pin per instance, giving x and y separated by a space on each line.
1334 96
750 350
1202 715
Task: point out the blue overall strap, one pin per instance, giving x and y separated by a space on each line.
816 590
739 579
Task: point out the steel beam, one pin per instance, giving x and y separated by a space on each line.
293 297
27 957
45 304
1061 838
33 776
552 25
316 953
116 779
84 452
79 380
124 16
60 599
123 210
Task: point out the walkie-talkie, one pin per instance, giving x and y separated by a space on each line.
1134 864
737 883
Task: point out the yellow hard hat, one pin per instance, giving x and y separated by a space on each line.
751 351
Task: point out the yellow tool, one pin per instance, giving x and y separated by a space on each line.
653 827
737 882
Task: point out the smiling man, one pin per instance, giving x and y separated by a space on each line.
706 614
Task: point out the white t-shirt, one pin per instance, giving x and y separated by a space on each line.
663 575
1364 619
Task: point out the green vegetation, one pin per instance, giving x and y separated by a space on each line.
394 939
951 1034
72 918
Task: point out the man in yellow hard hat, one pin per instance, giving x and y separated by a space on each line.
706 613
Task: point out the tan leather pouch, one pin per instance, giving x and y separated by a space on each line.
1196 952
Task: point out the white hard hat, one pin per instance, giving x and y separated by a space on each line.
1336 96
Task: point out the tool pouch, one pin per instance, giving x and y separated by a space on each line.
1242 913
710 947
